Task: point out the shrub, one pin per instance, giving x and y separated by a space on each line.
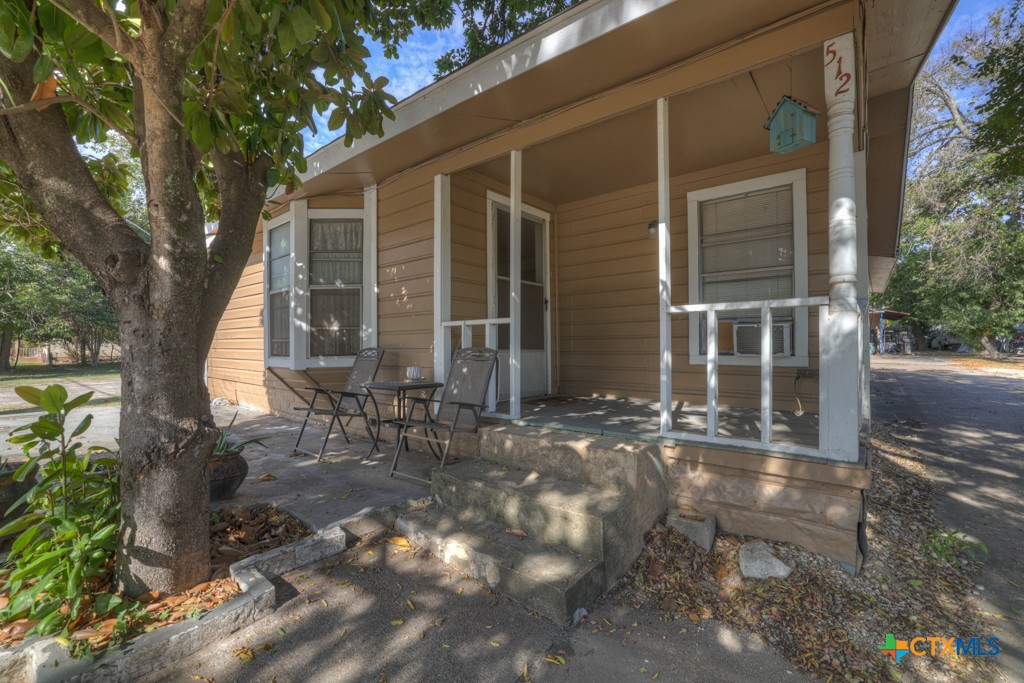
60 569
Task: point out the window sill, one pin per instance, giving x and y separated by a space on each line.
777 362
309 363
332 362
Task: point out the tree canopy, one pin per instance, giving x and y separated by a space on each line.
212 97
961 260
488 24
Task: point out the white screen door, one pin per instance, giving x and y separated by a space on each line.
535 326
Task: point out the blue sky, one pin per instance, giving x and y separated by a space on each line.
414 68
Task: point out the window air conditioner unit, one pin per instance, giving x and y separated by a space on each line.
746 339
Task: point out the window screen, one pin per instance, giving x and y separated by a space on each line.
279 242
335 286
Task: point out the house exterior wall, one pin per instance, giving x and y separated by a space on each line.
608 300
235 365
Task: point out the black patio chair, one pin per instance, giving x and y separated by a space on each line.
462 404
349 402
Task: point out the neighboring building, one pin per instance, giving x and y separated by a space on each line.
630 139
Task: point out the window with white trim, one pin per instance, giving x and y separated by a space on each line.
279 286
320 285
748 242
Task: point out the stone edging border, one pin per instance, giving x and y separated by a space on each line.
44 660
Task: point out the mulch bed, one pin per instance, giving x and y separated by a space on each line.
235 533
826 622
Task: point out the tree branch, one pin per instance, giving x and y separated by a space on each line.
243 189
40 150
104 26
60 99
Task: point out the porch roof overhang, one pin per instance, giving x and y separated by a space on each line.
899 36
581 53
573 56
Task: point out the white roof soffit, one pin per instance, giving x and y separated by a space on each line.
557 36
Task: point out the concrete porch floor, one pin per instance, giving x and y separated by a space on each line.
318 493
637 418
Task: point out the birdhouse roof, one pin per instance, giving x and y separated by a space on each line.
806 106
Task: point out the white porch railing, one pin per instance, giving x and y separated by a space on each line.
490 326
766 362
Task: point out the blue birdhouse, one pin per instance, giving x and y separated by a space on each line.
792 125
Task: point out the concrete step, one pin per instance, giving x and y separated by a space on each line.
582 518
552 580
607 462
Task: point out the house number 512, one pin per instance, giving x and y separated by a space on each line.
842 78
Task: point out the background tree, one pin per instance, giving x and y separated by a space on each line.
213 96
20 269
487 24
961 261
1001 67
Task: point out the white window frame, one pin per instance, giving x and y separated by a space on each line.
798 181
299 215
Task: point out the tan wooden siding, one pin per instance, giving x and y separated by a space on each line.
607 280
405 259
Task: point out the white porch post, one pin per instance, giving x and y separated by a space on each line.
840 361
442 274
515 235
664 268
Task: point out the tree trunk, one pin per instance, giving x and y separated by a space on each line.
83 353
989 347
95 346
919 339
17 355
6 339
167 434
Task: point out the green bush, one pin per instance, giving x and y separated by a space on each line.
61 564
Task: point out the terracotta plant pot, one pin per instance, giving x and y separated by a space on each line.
227 472
11 490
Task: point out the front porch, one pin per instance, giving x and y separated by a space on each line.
640 419
704 291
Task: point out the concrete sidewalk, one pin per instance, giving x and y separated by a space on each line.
387 613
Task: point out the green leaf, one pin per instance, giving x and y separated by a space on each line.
321 15
22 46
46 430
43 68
106 602
30 395
53 398
82 426
286 36
303 24
78 401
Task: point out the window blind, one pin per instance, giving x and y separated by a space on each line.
746 249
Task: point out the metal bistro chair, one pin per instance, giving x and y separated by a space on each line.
349 402
462 403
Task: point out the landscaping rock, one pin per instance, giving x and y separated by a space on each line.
698 528
758 562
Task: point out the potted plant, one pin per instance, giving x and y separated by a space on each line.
12 490
227 466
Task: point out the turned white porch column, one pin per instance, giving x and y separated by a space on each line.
840 357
